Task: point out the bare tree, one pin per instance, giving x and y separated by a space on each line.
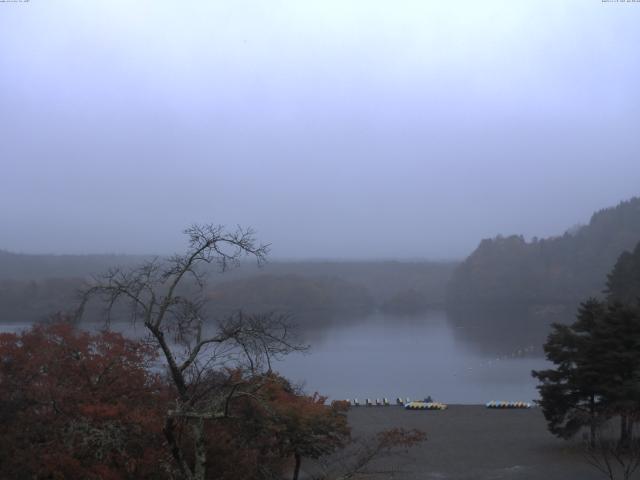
209 363
615 460
363 456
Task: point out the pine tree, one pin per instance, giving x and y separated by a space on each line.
571 393
597 373
623 283
617 348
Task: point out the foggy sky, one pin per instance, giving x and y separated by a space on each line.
335 128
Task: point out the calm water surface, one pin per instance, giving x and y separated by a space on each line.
390 356
382 355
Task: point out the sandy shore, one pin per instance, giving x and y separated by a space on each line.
473 442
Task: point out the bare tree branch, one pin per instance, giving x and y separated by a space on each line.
168 295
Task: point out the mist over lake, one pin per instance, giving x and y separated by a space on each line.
388 355
221 220
384 355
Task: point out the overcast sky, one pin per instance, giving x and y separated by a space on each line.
337 129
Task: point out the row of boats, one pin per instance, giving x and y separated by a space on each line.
384 402
495 404
425 406
428 404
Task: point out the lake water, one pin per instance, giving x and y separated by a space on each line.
380 355
390 356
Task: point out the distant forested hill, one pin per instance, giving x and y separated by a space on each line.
291 293
557 270
34 286
18 266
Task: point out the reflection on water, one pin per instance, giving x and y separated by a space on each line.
454 359
389 356
505 331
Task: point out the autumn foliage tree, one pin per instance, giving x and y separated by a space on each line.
202 354
291 426
75 405
294 425
89 406
305 427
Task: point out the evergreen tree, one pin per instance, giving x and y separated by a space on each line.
571 393
623 283
617 349
597 373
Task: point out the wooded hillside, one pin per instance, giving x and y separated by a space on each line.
556 270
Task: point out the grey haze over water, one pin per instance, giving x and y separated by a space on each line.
341 129
386 355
